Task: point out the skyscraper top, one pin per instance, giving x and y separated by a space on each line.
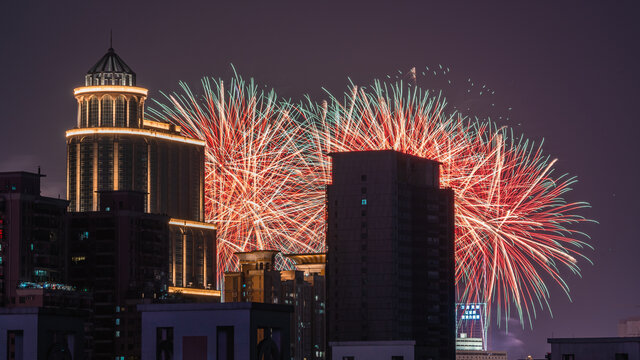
110 70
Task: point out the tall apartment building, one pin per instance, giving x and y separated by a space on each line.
119 254
391 258
113 148
258 281
32 234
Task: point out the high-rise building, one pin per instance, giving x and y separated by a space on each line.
32 233
119 254
114 148
390 261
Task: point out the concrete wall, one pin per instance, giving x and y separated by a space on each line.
25 319
194 320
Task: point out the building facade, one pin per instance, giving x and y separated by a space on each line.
120 255
303 288
226 331
113 147
32 235
32 333
391 253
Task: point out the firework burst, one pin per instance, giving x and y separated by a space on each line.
258 184
512 224
267 169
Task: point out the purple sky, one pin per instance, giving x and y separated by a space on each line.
569 71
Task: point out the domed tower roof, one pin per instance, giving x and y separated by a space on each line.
110 70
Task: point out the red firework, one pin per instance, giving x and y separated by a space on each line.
511 219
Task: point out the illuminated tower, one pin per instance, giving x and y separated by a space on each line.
113 148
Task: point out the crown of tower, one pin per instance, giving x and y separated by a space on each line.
110 70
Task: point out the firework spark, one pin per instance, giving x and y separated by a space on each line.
512 224
257 179
267 169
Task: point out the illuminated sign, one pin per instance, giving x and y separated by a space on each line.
470 312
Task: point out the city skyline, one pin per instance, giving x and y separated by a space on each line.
541 77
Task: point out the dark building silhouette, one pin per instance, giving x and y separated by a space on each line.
32 233
304 288
390 260
119 254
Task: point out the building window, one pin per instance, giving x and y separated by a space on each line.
224 343
568 357
93 112
622 356
349 357
396 357
107 111
121 117
364 201
363 177
164 343
117 333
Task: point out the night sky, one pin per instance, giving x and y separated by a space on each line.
569 72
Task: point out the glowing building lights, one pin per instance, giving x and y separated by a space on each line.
114 89
194 224
134 132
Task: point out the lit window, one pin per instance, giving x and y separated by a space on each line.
117 333
0 260
364 201
108 208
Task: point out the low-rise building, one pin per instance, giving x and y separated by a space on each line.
223 331
614 348
32 333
